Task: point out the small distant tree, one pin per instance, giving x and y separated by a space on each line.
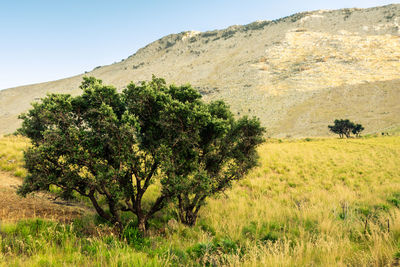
358 128
110 147
345 128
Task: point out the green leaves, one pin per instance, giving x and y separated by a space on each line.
210 150
111 146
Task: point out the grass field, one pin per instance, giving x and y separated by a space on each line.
318 202
11 153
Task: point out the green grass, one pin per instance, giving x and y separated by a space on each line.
320 202
43 243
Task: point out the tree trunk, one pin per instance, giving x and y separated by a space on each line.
141 216
142 224
189 217
189 209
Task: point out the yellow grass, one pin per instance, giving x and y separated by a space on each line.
321 202
11 153
303 189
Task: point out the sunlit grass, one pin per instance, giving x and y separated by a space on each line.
319 202
11 154
314 198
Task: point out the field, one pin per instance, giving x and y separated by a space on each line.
311 202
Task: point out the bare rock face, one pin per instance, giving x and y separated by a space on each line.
297 74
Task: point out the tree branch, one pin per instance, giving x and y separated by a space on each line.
157 206
99 209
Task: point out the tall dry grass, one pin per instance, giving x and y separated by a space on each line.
320 202
324 202
11 153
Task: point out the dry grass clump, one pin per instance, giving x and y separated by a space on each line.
14 208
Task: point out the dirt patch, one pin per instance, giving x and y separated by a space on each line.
8 181
14 207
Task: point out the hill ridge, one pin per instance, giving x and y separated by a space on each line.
269 69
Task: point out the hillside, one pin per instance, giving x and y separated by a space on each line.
297 73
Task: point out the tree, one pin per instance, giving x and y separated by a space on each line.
342 127
219 150
110 147
358 128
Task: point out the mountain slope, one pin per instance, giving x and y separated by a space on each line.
297 73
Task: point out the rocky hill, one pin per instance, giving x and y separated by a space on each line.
297 74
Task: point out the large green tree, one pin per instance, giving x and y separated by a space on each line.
110 147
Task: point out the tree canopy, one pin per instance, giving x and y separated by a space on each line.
345 128
110 147
358 128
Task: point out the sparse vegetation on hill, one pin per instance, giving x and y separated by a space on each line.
295 73
323 202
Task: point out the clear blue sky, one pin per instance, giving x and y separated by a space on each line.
43 40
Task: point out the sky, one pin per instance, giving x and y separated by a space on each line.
44 40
